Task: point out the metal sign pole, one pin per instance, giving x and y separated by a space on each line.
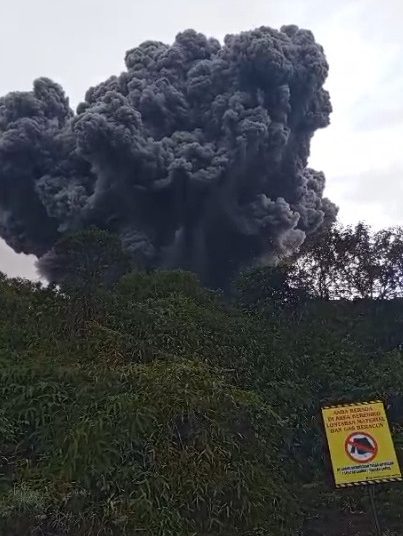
377 525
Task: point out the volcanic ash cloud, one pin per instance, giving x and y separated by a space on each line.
196 156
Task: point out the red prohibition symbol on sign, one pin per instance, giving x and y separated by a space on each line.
361 447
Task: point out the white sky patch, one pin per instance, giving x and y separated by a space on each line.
361 152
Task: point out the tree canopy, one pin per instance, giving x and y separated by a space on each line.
353 262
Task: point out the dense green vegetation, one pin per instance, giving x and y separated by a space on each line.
157 407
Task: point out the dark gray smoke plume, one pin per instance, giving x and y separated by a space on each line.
196 156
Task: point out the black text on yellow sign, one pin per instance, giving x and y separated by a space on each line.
360 444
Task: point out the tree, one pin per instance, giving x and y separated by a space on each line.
352 262
269 290
85 261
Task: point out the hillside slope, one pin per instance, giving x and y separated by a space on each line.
155 408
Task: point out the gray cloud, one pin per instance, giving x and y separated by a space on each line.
196 156
365 35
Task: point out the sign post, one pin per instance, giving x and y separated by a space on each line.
361 447
374 511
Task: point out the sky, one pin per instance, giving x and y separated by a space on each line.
79 43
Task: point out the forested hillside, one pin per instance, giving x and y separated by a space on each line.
149 405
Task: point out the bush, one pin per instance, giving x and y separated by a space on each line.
164 448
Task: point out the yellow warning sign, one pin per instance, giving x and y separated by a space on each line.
360 444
